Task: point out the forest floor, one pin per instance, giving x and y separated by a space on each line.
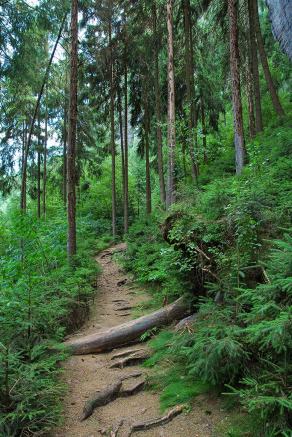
85 375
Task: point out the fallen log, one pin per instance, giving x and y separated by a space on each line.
153 423
128 332
101 398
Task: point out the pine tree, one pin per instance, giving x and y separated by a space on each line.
72 131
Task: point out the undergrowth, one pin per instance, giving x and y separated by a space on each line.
228 244
41 300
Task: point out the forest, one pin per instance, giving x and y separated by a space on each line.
145 212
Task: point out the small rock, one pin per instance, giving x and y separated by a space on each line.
144 410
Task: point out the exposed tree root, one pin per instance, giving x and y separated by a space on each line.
132 375
115 430
125 308
130 360
111 393
125 353
120 301
101 398
134 389
153 423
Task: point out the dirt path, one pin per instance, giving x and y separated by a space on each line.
85 375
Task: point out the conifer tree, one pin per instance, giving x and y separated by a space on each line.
72 133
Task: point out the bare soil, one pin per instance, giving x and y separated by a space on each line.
85 375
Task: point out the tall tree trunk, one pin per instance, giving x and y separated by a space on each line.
112 119
275 99
65 138
147 151
36 109
158 110
255 69
250 100
39 169
204 130
189 73
71 158
126 140
171 110
45 159
24 143
235 80
120 112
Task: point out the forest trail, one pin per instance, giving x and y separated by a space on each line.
88 374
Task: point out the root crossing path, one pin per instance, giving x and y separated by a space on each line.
89 374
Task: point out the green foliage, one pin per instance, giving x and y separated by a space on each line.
246 342
41 300
153 262
219 243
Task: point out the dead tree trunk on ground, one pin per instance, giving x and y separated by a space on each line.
128 332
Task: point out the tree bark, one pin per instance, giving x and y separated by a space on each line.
235 81
171 135
65 137
148 181
204 130
189 74
28 142
255 69
250 100
128 332
45 159
71 155
275 99
120 112
146 144
39 169
112 121
158 110
126 140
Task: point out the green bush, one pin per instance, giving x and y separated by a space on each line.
41 300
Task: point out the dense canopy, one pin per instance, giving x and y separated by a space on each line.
165 124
